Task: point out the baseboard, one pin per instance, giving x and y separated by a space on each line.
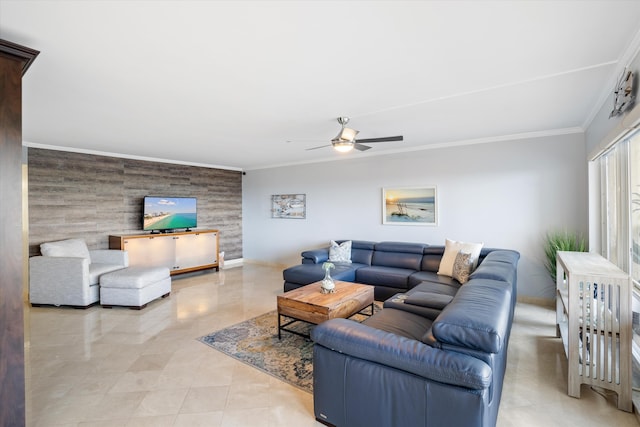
232 263
239 262
544 302
267 264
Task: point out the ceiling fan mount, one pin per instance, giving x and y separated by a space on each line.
343 120
346 139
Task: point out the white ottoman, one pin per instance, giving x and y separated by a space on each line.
134 287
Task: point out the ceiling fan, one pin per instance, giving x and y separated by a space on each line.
346 140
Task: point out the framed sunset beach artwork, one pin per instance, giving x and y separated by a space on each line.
409 206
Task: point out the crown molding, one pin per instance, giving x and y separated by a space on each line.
126 156
23 54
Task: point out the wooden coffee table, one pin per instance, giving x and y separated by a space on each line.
308 304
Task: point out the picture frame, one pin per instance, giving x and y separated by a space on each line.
410 206
289 206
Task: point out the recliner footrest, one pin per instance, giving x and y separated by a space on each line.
427 309
428 299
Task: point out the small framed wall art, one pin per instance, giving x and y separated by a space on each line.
409 206
293 206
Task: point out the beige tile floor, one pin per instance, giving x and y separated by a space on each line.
121 367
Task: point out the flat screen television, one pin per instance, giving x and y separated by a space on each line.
162 214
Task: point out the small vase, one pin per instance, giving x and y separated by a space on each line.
328 285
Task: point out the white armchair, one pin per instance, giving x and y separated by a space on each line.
68 273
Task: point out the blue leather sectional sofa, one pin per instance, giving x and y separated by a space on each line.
435 355
391 267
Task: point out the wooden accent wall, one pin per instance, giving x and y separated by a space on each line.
14 61
90 196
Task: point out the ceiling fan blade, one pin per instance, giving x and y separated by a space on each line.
361 147
315 148
384 139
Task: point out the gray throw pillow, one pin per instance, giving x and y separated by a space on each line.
462 267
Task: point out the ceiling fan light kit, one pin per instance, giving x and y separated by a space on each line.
344 141
342 146
346 135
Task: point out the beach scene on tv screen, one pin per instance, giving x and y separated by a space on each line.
164 213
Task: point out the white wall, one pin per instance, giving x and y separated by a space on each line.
505 194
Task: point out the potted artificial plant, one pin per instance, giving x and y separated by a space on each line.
561 241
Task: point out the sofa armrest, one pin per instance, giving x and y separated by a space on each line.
58 280
478 318
110 256
363 342
315 256
48 269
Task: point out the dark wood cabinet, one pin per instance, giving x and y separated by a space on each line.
14 61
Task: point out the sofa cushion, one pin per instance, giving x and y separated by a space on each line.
431 258
428 299
404 247
397 260
451 250
384 276
361 251
436 288
340 252
73 248
398 302
398 254
428 276
399 322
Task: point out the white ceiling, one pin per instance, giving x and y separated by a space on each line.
252 84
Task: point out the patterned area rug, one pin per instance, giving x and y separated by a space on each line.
255 342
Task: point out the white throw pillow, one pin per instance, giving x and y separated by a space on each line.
341 252
451 250
75 248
